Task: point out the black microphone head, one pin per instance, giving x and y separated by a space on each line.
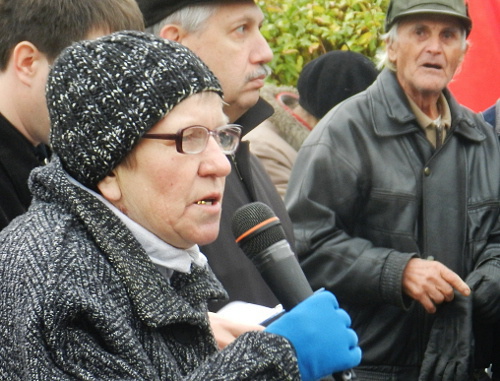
251 238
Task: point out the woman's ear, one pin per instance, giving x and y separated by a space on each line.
109 187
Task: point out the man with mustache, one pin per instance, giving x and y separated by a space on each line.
226 36
395 200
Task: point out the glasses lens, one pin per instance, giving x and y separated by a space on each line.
228 138
194 139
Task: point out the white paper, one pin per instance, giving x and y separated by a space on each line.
248 313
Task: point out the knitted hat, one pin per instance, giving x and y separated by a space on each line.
156 10
400 8
103 95
332 77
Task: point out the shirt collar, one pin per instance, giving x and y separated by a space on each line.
424 121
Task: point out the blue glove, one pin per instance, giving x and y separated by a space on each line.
319 331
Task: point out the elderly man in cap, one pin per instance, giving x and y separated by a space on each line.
225 34
395 201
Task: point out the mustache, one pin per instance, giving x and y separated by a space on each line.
262 70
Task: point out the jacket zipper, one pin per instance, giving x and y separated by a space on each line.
235 164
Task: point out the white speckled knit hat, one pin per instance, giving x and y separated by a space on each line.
103 95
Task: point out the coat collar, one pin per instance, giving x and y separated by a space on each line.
283 121
392 115
255 116
151 296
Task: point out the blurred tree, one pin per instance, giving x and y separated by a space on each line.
300 30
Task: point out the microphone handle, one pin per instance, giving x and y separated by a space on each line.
280 270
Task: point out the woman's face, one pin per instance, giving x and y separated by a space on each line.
176 196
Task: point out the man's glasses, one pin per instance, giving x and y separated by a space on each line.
194 139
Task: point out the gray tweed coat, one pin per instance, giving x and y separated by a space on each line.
80 300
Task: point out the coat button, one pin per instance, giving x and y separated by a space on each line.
427 171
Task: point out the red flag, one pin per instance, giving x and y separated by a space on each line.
477 84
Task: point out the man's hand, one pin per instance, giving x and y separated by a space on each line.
431 283
226 330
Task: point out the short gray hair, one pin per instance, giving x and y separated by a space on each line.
192 18
383 56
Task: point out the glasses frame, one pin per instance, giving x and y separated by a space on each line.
179 135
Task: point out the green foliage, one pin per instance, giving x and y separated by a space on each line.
301 30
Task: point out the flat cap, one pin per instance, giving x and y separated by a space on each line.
400 8
156 10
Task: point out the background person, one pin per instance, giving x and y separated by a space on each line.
490 334
491 115
401 225
323 83
32 34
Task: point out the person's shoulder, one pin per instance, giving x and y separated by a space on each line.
20 245
345 114
490 113
43 224
475 118
262 133
261 111
46 240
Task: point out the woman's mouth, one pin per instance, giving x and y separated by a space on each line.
208 201
205 202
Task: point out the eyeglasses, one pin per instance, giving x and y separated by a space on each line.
194 139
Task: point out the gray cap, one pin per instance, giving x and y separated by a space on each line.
400 8
103 95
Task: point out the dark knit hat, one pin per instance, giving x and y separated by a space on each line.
401 8
103 95
156 10
332 77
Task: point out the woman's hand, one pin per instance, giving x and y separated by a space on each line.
226 330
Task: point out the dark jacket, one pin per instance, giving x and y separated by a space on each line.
81 300
17 158
492 115
369 192
247 182
490 335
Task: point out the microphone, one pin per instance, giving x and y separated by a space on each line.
261 237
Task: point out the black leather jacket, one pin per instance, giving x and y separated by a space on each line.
368 193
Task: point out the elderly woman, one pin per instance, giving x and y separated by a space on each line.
102 278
